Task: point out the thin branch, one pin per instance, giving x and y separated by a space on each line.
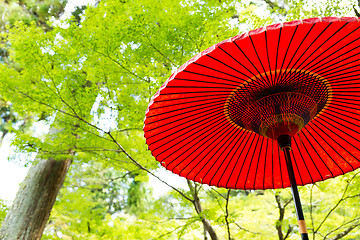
342 225
213 189
120 65
217 199
170 232
246 230
107 183
61 111
288 231
344 233
55 87
311 209
147 170
156 49
227 214
338 203
288 201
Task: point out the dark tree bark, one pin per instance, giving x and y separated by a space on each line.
196 201
31 209
279 223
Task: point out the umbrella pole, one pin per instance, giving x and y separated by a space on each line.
285 145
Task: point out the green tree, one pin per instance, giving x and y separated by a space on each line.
96 77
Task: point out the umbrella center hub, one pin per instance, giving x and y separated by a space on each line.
278 103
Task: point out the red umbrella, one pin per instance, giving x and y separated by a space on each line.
225 116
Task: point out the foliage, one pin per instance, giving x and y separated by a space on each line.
29 11
96 76
3 209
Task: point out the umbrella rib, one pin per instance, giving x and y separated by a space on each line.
238 62
303 53
348 95
207 82
341 72
343 133
219 96
257 164
294 163
296 51
287 49
213 133
233 135
246 86
211 121
209 159
248 61
328 110
333 53
327 61
339 103
217 113
242 151
326 40
216 70
317 169
246 140
265 157
322 147
346 88
267 56
345 84
208 55
245 158
328 74
194 144
352 99
211 76
277 55
198 87
315 125
217 103
347 79
257 55
281 172
231 159
350 129
206 114
302 158
197 92
210 101
316 151
250 160
272 164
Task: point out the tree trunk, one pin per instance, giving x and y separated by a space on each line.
31 208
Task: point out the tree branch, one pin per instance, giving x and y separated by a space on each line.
145 169
338 203
156 49
344 233
227 214
246 230
198 208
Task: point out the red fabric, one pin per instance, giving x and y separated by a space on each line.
188 133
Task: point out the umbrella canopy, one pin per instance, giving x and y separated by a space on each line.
217 118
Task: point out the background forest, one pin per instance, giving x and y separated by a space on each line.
90 78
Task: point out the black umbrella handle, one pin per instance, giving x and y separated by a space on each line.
285 145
